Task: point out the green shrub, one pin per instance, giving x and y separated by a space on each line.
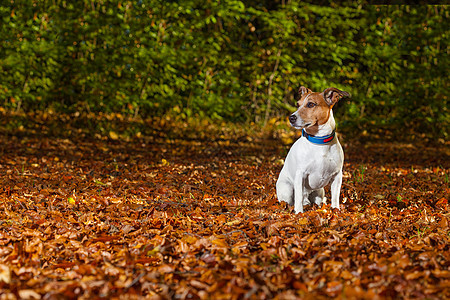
232 60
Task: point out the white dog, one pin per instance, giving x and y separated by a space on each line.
315 160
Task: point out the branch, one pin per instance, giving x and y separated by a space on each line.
269 88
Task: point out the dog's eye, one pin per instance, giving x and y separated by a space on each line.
310 104
296 104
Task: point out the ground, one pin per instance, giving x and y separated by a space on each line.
190 214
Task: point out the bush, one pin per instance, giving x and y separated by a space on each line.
231 60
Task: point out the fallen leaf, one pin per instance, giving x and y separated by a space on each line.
5 274
113 135
28 294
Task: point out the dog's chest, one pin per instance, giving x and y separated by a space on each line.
319 164
320 172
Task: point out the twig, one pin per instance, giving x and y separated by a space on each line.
136 280
269 88
349 185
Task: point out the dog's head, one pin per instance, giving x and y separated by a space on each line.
314 108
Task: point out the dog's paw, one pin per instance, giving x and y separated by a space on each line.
298 211
298 208
334 207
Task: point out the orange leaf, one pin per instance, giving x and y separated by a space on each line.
220 243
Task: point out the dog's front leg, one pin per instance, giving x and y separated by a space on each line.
336 190
298 191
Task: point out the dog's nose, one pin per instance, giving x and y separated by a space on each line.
292 118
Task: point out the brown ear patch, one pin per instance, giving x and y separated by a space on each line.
332 95
303 90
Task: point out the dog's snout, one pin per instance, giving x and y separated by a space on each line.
292 118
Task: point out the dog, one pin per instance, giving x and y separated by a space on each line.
316 159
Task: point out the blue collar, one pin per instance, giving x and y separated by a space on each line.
319 140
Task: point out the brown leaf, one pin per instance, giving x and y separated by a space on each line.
219 242
414 275
333 288
209 258
28 294
193 214
127 228
441 273
5 274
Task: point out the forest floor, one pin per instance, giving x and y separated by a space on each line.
169 212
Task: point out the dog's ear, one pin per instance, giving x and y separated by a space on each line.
332 95
302 91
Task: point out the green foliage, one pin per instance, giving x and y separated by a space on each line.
405 62
235 60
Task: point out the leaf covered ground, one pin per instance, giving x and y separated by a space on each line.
192 214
